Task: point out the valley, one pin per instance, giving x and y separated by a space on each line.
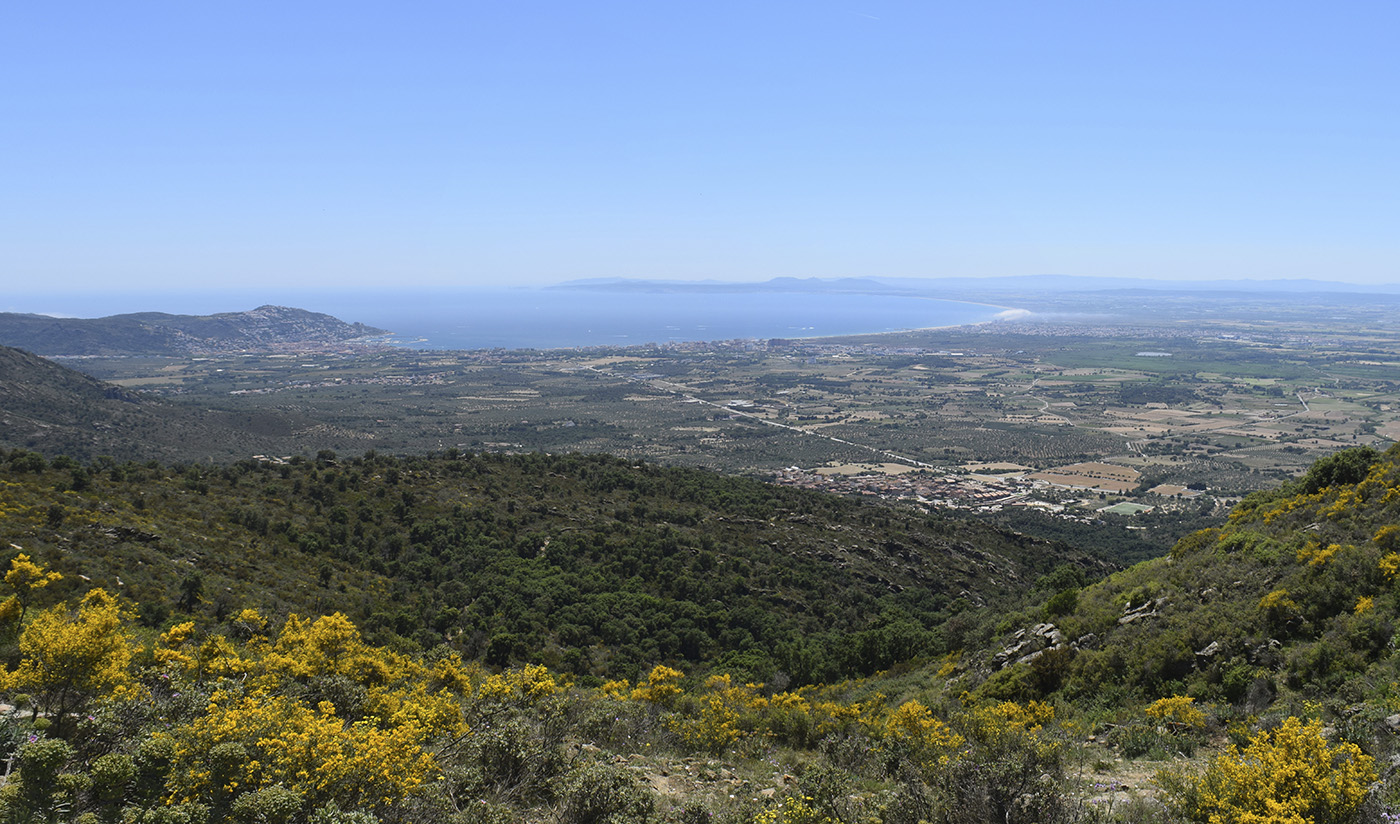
1029 572
1189 414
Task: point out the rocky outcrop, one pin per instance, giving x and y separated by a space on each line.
1147 609
1029 645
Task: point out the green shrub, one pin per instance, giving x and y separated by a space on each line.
595 793
269 805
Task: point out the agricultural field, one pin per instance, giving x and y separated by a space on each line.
1186 403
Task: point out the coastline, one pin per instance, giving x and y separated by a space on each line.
579 319
583 319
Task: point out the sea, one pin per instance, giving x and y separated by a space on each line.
553 319
577 318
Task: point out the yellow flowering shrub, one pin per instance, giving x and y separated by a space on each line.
994 721
1390 565
619 688
713 728
789 719
794 810
24 577
912 729
176 636
837 716
249 623
11 611
215 657
330 645
1278 607
1364 604
661 686
531 682
716 718
437 712
1008 726
1315 555
536 681
1281 508
68 656
170 646
789 701
280 741
450 673
1288 776
496 687
1177 712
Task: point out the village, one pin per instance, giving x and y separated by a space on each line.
1080 491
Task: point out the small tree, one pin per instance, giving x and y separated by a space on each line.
69 657
25 578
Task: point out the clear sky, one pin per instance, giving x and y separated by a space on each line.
208 144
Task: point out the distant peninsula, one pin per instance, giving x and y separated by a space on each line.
264 329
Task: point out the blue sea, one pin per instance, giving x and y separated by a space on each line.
567 318
550 319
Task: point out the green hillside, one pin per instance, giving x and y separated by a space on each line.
1296 593
591 564
585 639
51 409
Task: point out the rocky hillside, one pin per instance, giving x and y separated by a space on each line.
1295 594
265 329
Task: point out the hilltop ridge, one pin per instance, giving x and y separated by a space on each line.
264 329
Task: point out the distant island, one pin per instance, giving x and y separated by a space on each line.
1011 284
261 330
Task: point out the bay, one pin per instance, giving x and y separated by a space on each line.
552 319
559 318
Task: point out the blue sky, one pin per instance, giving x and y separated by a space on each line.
213 144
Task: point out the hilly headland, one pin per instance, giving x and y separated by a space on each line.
264 329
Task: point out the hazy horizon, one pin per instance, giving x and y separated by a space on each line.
92 303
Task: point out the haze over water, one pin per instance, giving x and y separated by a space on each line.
559 319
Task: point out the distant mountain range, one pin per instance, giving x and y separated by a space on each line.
265 329
1020 284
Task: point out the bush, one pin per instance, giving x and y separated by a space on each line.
1289 775
38 795
1137 740
269 805
601 794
